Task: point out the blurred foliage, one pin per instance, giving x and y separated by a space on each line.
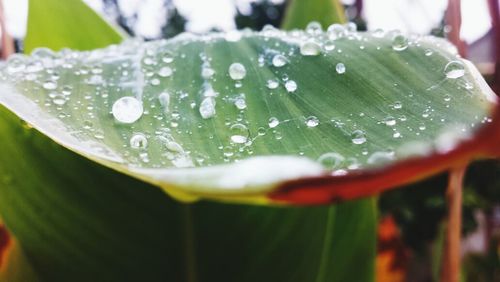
484 268
419 208
262 13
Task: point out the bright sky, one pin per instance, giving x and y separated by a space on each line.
418 16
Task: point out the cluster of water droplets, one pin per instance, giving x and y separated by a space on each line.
174 103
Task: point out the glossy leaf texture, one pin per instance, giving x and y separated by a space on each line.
61 24
237 116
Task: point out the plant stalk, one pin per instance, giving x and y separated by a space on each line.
7 42
454 20
450 266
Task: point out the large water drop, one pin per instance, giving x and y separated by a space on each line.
237 71
454 69
127 110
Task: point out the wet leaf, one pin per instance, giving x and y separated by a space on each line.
217 116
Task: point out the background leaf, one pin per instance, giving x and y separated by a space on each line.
67 24
299 13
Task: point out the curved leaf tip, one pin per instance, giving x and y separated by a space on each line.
235 116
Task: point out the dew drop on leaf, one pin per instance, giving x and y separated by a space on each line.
340 68
331 160
351 27
165 72
380 158
239 133
59 99
389 121
15 64
164 99
336 31
240 103
310 48
314 28
138 141
312 121
399 42
207 107
49 85
272 84
279 60
454 69
237 71
127 110
291 86
358 137
273 122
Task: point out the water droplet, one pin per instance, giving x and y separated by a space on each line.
279 60
261 131
15 63
454 69
351 27
127 110
228 151
167 58
43 53
49 85
399 42
207 72
329 45
273 122
207 107
138 141
237 71
379 33
389 121
59 99
240 104
398 105
358 137
428 52
314 28
291 86
164 99
155 82
239 133
310 48
447 97
331 160
165 72
340 68
66 90
272 84
312 121
336 31
380 158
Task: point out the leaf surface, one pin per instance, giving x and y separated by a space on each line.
234 116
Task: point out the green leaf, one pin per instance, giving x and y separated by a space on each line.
79 221
67 24
360 104
300 13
